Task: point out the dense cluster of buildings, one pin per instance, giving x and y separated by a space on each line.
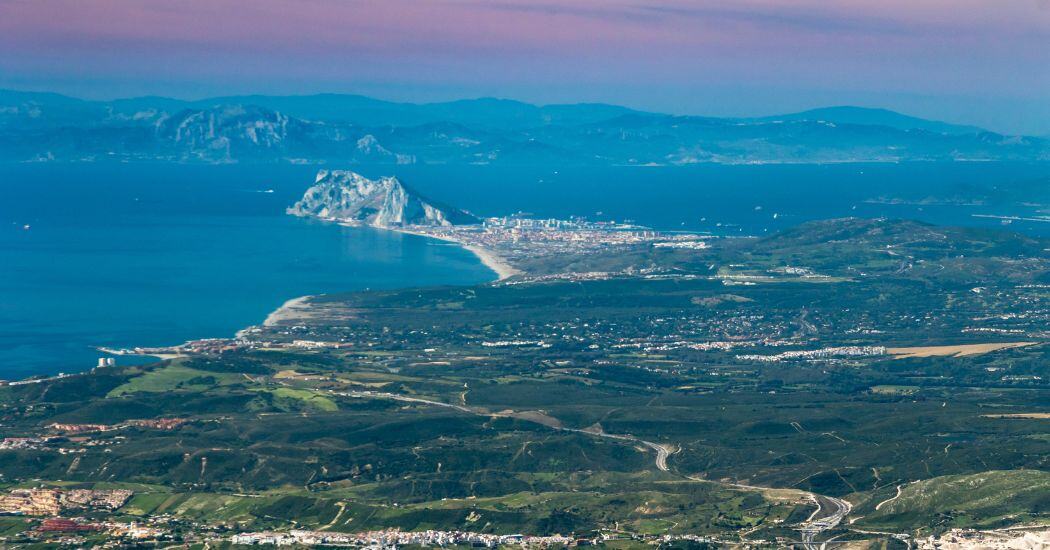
206 346
64 525
517 237
514 343
71 532
31 502
521 222
963 539
822 353
717 345
79 428
152 423
682 244
25 443
393 538
51 502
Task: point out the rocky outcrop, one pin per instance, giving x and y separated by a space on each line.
384 202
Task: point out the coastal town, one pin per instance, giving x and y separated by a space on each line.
504 243
41 506
394 538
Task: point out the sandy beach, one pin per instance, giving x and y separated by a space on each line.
492 261
297 308
133 353
291 309
489 258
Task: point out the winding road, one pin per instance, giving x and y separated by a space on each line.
662 451
829 513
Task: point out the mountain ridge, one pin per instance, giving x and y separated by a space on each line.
338 129
274 102
874 116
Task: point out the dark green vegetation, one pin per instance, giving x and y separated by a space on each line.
326 438
987 500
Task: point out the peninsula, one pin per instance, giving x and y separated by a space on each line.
351 199
509 245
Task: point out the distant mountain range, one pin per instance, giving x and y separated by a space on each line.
348 129
347 196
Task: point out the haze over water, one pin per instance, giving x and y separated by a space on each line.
156 254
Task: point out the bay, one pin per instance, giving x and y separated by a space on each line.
147 255
108 254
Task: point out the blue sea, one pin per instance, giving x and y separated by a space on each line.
107 254
126 255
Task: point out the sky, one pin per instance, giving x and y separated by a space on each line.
983 62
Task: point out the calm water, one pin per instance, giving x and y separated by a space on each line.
751 200
155 254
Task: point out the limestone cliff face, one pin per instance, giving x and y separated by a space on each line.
385 202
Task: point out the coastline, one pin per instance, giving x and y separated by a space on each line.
284 312
119 352
492 261
299 306
487 257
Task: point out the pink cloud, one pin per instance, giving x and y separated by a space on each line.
976 47
407 26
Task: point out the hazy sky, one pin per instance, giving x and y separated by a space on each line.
984 62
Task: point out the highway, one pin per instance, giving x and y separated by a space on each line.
662 451
829 513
